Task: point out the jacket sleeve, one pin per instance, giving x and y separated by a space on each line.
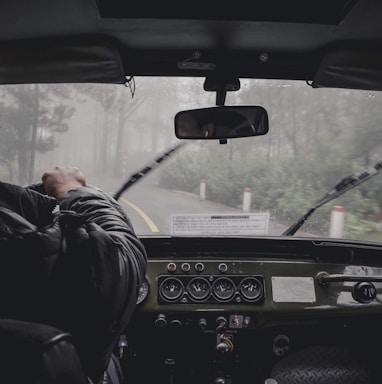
112 259
101 209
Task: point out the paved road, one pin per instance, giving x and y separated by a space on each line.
150 207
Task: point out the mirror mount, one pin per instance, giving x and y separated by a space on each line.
221 85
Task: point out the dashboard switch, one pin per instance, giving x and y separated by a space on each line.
185 267
176 323
171 267
222 267
202 323
160 321
221 323
236 321
199 267
281 345
364 292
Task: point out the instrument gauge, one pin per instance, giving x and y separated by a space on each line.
199 288
223 288
171 289
143 291
251 288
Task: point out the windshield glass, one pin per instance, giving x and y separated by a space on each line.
253 186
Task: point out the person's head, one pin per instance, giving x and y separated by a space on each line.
188 126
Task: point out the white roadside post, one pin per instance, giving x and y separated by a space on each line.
203 189
247 199
337 220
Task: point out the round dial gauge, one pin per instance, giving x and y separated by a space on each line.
251 288
171 288
223 288
143 291
199 288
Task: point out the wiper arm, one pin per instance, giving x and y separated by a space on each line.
347 183
144 171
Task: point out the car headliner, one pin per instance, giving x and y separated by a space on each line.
49 40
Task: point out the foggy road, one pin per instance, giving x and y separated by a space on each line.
150 208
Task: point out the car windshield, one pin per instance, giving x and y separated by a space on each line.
253 186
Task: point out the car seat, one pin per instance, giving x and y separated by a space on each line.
34 353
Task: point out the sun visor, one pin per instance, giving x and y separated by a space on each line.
355 68
90 61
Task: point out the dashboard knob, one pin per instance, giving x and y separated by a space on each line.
222 347
176 323
364 292
160 321
202 323
280 345
221 324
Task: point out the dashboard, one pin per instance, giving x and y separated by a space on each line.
235 307
319 279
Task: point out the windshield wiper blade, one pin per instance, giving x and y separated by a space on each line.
144 171
347 183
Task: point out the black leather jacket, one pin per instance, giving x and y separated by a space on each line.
78 268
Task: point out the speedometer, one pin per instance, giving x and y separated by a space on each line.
143 291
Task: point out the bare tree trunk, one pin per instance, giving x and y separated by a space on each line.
118 149
10 170
22 156
34 133
104 145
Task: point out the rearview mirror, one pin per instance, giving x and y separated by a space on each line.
223 122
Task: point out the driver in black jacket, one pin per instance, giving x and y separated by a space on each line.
99 262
